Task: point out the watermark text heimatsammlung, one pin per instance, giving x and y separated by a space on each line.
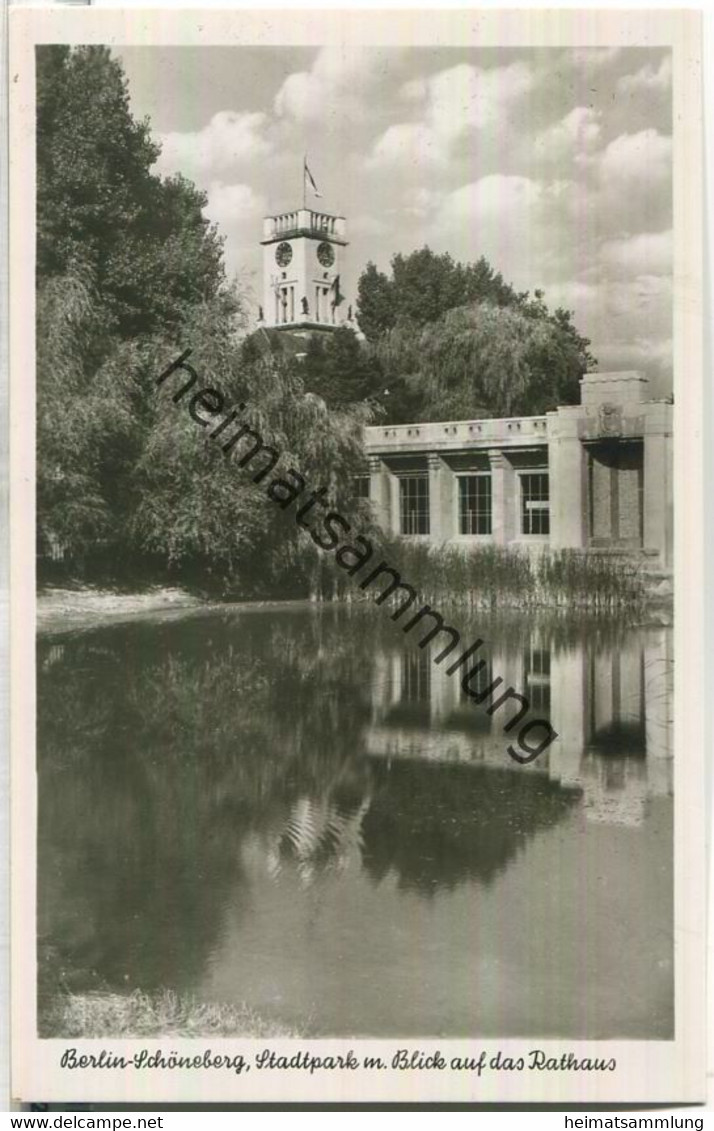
329 529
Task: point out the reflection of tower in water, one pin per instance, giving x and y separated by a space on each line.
322 832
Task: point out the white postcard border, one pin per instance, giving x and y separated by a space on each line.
647 1071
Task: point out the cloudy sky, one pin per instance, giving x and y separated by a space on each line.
553 163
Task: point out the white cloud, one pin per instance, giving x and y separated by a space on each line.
337 83
410 143
450 102
532 231
648 254
576 134
465 97
368 225
628 319
629 189
592 57
421 201
515 221
237 209
493 196
228 140
645 156
648 79
233 205
653 358
573 294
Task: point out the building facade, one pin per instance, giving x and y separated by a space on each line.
302 253
597 475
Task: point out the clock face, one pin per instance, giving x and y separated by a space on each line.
325 254
283 254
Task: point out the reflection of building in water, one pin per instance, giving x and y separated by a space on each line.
615 721
431 797
611 706
536 681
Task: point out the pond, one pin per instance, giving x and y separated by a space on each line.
292 809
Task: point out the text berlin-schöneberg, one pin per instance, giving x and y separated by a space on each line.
205 405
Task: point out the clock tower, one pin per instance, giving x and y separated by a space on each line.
302 254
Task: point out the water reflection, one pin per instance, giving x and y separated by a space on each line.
610 703
288 808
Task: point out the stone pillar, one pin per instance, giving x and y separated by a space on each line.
567 468
504 498
381 686
395 505
442 504
381 495
443 691
658 482
567 714
659 711
396 666
631 682
605 708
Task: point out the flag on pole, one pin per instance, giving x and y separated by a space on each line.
310 180
338 296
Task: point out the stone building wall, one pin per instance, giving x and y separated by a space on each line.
594 475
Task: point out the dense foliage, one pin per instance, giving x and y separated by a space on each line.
424 286
452 340
130 273
151 252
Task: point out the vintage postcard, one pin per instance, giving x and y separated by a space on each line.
357 589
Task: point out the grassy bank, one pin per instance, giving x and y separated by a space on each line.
480 577
164 1014
77 607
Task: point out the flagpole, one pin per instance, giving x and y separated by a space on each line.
304 180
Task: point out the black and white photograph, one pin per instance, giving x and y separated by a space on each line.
356 515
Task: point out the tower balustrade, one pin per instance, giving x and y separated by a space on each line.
305 220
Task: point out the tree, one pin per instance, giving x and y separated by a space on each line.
454 339
375 308
200 510
424 286
71 508
481 361
127 265
335 366
339 369
149 249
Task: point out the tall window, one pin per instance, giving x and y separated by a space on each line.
361 487
535 503
475 504
286 304
414 504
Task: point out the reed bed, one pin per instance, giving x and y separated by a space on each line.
498 577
